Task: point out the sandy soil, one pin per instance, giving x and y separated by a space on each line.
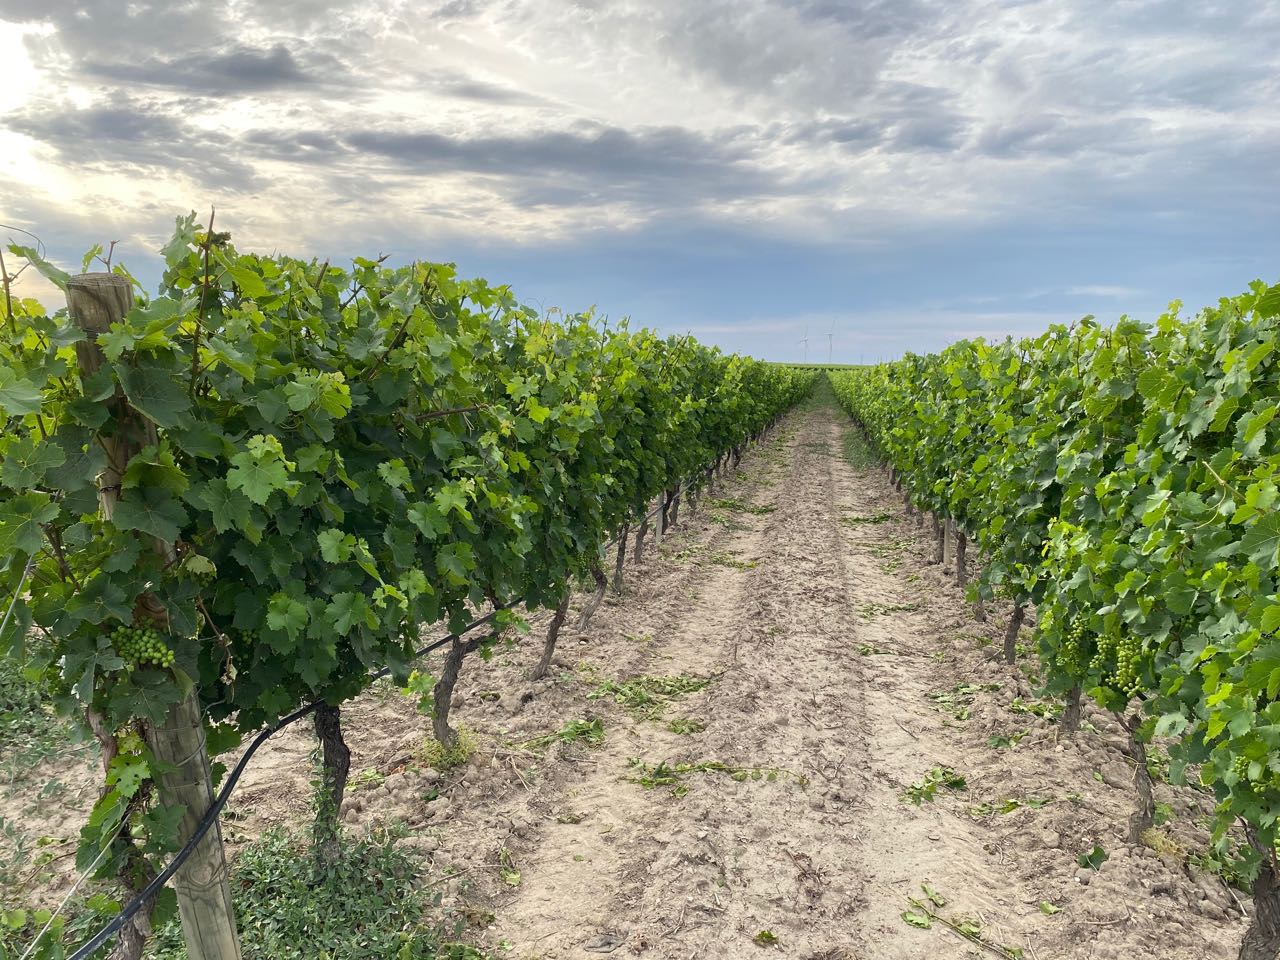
839 668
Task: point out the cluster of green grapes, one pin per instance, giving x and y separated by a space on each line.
1072 656
142 646
1126 651
1265 780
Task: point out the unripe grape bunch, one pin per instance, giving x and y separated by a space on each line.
1073 647
142 646
1126 652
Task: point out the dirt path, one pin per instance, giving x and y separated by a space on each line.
779 679
844 668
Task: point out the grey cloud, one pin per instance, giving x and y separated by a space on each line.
84 28
485 92
1136 95
598 164
1061 136
775 52
873 19
299 146
126 135
235 69
941 133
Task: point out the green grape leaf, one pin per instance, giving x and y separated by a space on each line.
18 396
150 510
20 520
155 394
26 462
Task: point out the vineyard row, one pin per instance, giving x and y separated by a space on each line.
257 487
1122 482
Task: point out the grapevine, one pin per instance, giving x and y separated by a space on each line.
334 460
1123 481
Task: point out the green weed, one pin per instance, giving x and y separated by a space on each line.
648 695
287 912
674 775
927 787
590 731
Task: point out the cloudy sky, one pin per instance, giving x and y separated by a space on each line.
897 173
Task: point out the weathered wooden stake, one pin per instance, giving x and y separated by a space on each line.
948 542
95 301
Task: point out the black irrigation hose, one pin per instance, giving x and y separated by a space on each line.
211 815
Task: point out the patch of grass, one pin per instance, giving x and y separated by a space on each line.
765 938
959 698
927 787
737 506
589 731
698 555
1009 805
686 725
648 694
729 560
924 913
890 548
434 754
30 731
367 779
375 903
854 520
1039 708
1225 860
858 451
874 608
999 742
1162 843
673 775
724 520
507 868
78 921
870 649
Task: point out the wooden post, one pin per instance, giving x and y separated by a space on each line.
948 543
95 301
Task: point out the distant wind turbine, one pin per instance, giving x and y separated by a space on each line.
805 340
830 340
